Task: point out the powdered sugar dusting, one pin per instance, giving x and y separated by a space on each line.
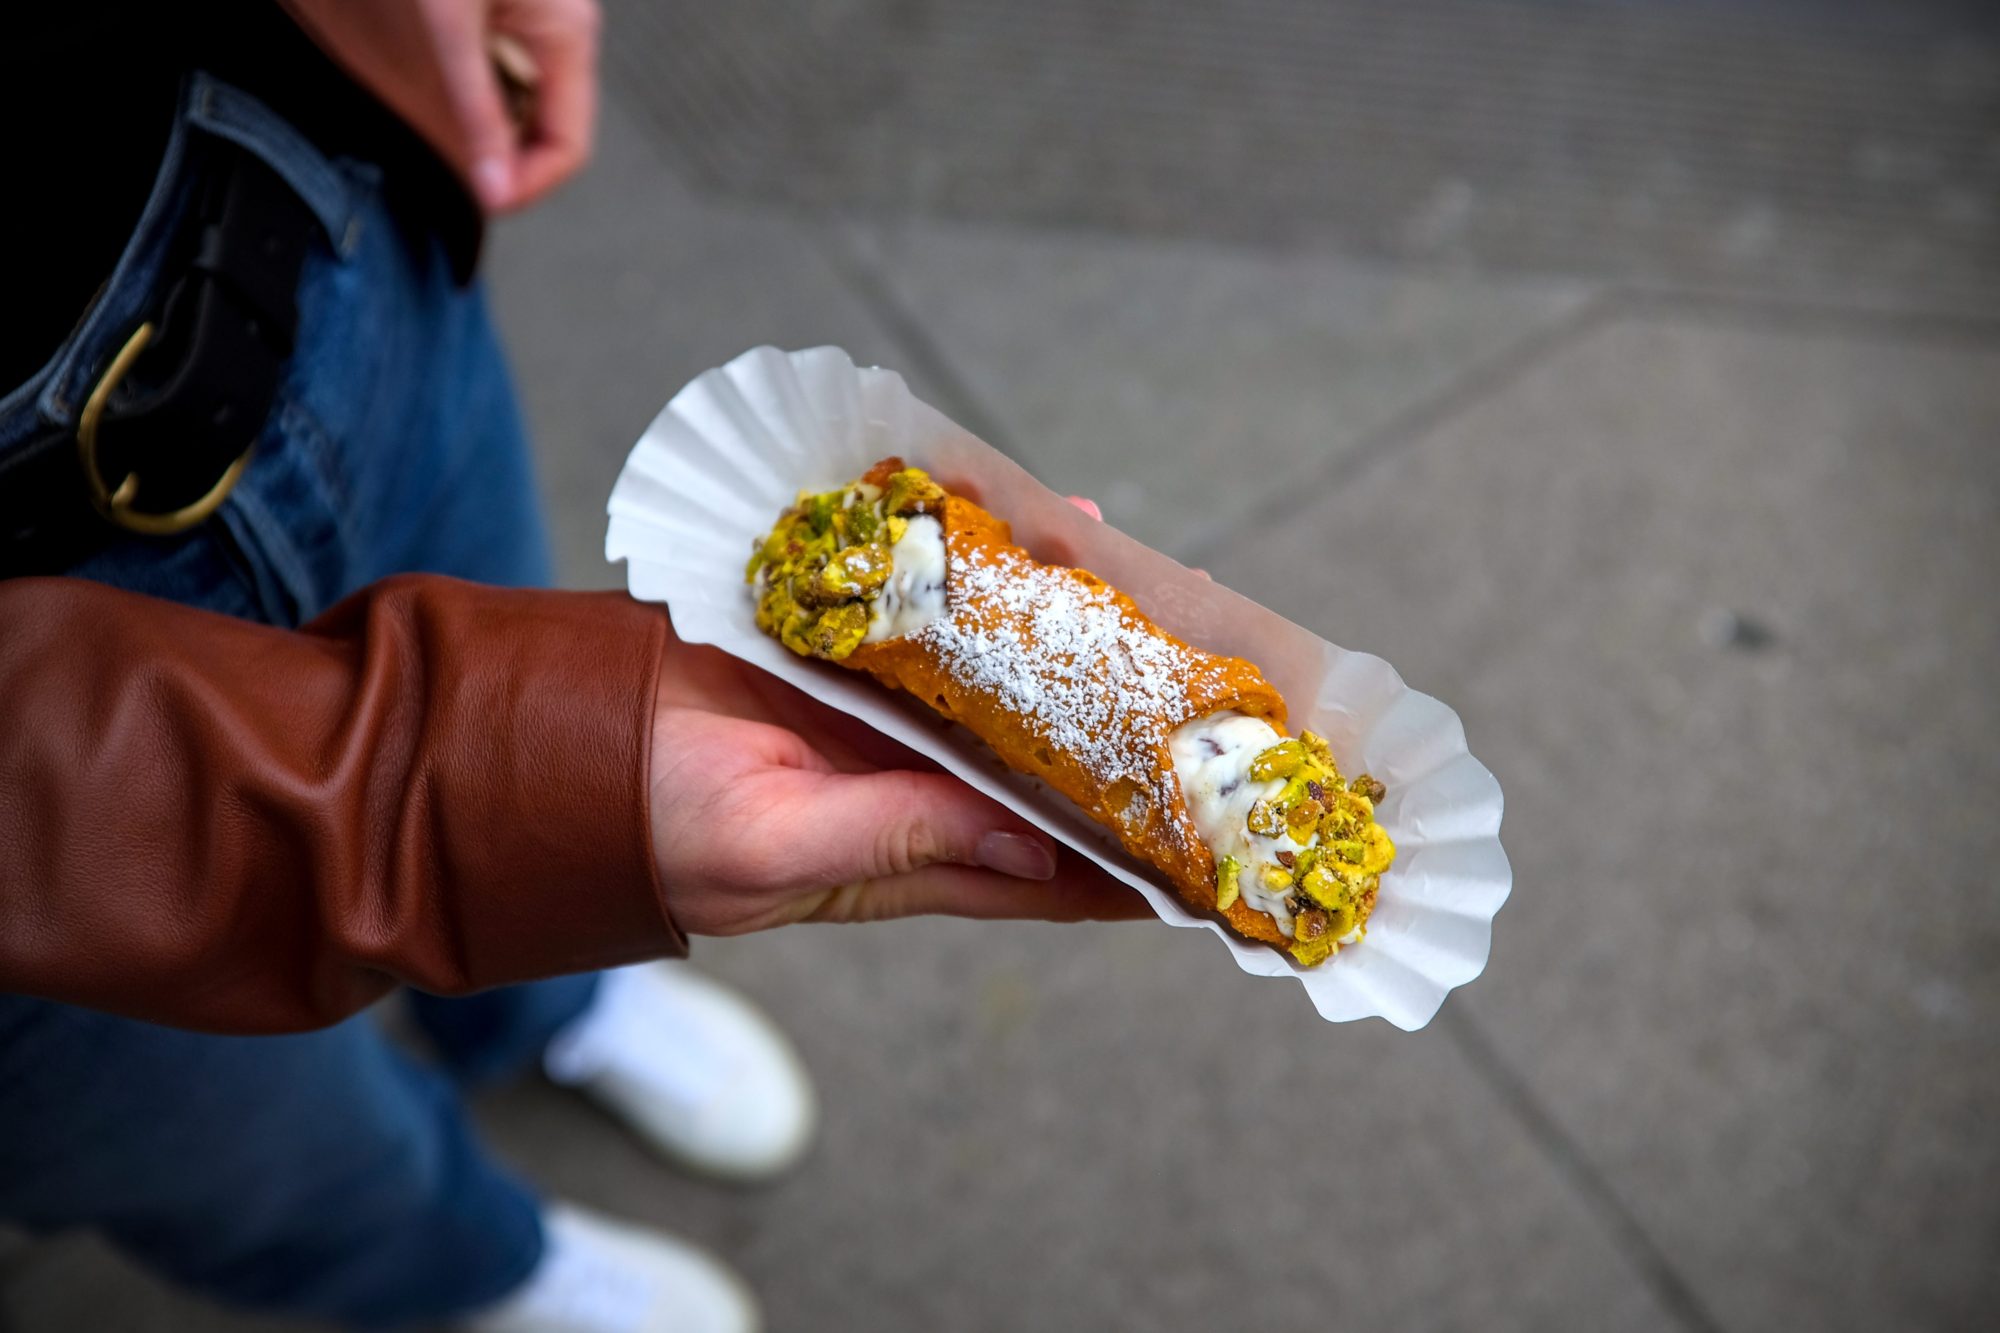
1087 675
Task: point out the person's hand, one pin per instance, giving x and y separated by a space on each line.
770 808
432 62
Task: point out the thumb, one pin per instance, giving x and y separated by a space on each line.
479 107
870 826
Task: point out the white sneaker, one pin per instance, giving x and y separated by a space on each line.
600 1276
692 1067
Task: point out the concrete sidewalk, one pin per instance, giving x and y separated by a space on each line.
1707 580
1706 569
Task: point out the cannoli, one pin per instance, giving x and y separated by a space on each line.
1181 753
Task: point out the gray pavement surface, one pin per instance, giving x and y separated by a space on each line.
1702 556
1815 147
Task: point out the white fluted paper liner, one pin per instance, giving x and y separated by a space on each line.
735 446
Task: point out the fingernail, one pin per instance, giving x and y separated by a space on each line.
489 181
1016 854
1088 506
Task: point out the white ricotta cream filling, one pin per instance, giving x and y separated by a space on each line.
1212 757
1212 760
914 595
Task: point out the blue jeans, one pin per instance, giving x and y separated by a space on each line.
325 1174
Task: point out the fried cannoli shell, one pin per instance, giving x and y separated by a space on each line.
1117 768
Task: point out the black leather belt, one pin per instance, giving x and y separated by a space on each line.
168 427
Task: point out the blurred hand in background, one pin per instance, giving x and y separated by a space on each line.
439 65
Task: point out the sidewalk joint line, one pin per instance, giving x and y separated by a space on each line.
1673 1291
1486 375
924 352
1805 315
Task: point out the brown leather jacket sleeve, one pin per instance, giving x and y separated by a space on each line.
215 824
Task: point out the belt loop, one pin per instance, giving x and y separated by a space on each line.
229 113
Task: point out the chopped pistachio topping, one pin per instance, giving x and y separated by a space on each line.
1322 886
820 567
1228 871
1334 880
1312 936
1280 761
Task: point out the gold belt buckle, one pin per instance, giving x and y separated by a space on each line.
117 503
